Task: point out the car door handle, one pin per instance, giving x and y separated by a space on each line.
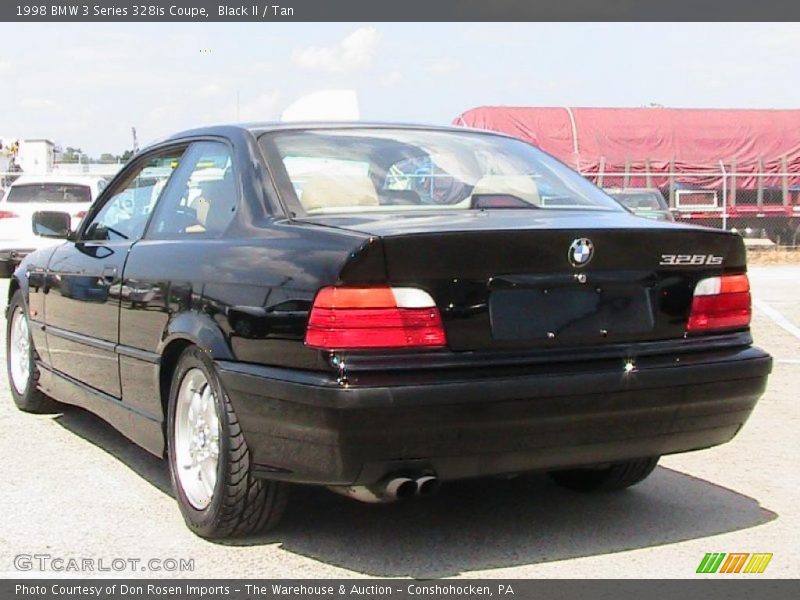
109 273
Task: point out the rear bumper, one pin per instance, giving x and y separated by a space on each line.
308 427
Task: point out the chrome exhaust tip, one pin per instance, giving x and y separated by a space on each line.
427 485
387 490
401 488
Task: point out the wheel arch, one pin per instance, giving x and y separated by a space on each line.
13 285
185 330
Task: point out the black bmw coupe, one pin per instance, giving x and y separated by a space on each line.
378 309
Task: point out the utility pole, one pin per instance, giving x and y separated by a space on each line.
135 141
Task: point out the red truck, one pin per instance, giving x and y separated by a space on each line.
737 169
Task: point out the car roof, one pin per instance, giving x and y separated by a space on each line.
259 128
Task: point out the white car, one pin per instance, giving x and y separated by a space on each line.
71 194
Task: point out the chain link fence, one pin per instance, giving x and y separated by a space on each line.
762 204
758 204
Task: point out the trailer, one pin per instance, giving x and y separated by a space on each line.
736 169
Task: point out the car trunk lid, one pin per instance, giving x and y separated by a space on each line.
510 281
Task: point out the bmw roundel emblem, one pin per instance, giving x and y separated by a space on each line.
580 252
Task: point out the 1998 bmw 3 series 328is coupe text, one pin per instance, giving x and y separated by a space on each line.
377 309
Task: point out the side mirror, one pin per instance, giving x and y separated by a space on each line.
52 224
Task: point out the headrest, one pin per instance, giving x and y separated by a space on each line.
521 186
328 191
216 203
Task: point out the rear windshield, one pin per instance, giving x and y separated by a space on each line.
640 200
49 192
386 170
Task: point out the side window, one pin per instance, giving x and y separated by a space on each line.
124 215
201 200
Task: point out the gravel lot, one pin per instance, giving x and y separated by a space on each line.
74 488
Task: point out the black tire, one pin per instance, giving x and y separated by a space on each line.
617 476
30 399
241 504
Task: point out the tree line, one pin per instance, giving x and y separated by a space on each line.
76 155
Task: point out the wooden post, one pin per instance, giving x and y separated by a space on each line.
648 178
760 192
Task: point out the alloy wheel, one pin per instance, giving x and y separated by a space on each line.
19 351
197 433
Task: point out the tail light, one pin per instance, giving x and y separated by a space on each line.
80 214
720 303
5 214
356 318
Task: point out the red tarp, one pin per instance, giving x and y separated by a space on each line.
684 140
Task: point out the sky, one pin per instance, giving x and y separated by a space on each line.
86 85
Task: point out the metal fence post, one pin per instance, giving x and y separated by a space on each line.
672 183
724 196
601 173
785 180
627 179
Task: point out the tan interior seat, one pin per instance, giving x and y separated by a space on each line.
214 206
332 191
521 186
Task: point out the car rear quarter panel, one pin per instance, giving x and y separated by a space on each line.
244 300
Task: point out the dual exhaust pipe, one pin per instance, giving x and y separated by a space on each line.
391 489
